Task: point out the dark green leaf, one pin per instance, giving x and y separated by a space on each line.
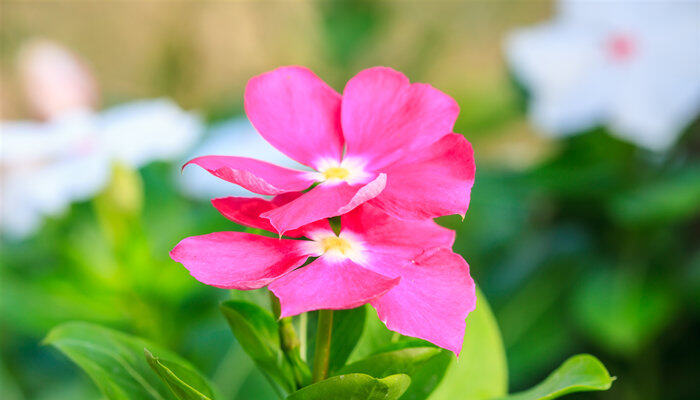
347 329
581 373
480 372
355 387
113 360
669 198
424 365
258 334
185 383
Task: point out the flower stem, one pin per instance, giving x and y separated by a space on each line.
322 351
288 336
289 341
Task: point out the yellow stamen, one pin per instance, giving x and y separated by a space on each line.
335 243
336 173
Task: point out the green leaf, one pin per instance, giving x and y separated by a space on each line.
347 330
481 371
375 337
10 389
114 360
669 198
258 334
355 387
424 365
185 383
622 310
580 373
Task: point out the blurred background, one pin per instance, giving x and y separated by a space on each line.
583 228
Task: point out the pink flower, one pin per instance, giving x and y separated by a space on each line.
405 269
386 141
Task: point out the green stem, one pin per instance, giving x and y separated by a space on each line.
289 342
322 351
288 336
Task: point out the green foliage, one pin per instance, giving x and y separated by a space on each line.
355 387
348 326
409 369
348 25
375 337
116 363
580 373
185 383
671 197
424 365
623 311
119 206
481 371
258 334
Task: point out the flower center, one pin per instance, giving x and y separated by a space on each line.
621 47
337 244
338 173
326 244
349 170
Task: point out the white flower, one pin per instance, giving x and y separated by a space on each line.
234 137
632 66
45 166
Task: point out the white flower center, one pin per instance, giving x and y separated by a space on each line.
350 170
336 248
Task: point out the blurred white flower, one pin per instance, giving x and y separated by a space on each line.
632 66
45 166
234 137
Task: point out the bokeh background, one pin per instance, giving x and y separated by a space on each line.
584 243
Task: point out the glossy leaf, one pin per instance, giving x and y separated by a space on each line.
185 383
355 387
580 373
481 371
114 360
347 330
424 365
258 334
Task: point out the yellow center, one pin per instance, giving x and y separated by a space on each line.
336 173
335 243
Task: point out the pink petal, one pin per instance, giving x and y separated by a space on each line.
296 112
238 260
387 234
431 301
331 285
436 182
384 116
246 211
323 201
254 175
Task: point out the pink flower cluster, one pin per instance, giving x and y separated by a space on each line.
386 161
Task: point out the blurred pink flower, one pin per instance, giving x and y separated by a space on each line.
405 269
55 80
386 141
